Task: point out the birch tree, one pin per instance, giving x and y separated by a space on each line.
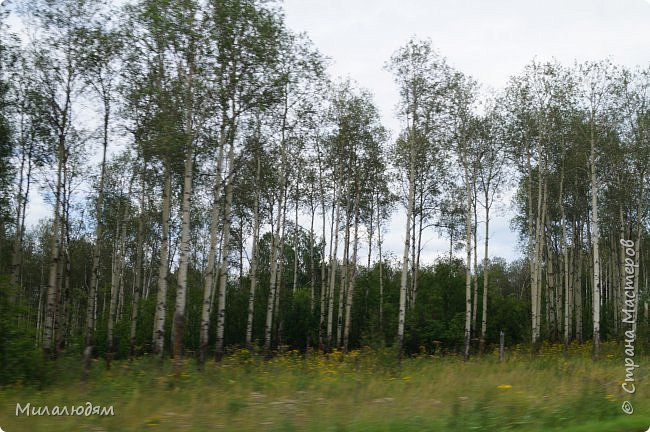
99 63
156 93
185 40
421 76
463 90
246 38
491 174
58 75
596 81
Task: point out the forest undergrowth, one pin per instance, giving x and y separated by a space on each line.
363 390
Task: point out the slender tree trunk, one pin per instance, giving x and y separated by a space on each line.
163 269
254 258
223 271
637 251
121 248
486 267
295 245
21 206
550 297
39 315
353 273
268 326
117 286
540 251
475 277
371 214
468 271
565 260
62 323
411 286
276 241
381 275
323 271
209 277
532 236
281 282
242 245
332 281
621 257
112 310
52 285
312 262
404 278
94 276
570 257
418 250
323 281
63 276
578 287
344 280
137 290
178 325
595 237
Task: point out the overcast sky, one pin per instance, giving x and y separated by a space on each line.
490 40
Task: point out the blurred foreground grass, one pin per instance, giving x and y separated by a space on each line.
362 391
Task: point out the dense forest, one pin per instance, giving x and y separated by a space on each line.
211 187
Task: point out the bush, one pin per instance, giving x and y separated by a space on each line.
20 359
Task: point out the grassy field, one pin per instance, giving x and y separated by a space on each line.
361 391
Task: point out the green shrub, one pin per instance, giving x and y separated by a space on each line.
20 358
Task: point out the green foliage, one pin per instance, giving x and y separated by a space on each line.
438 317
20 359
510 315
301 321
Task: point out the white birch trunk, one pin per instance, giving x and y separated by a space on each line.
295 245
112 310
381 276
268 326
595 238
94 276
353 274
323 271
178 325
486 265
254 258
468 263
137 289
405 256
565 254
163 269
225 247
332 281
21 207
52 285
475 277
344 280
208 279
637 248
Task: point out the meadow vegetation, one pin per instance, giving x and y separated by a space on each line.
363 390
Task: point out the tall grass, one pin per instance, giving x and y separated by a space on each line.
363 390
